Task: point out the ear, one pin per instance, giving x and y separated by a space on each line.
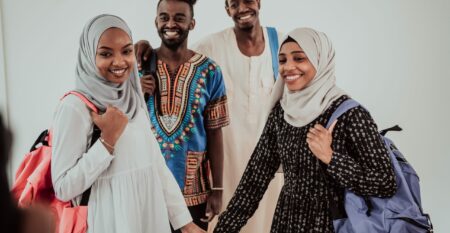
259 4
192 24
156 22
227 9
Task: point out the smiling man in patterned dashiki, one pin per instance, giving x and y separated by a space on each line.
188 110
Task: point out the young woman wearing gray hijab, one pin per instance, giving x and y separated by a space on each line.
318 163
132 190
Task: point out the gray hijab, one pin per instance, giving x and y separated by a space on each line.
126 96
303 106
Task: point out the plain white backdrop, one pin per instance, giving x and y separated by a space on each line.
392 56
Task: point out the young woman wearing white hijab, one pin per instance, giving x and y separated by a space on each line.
318 163
132 190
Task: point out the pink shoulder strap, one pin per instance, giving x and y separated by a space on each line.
83 98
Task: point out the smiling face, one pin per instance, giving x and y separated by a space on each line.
295 67
245 13
115 57
174 21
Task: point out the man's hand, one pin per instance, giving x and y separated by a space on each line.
142 50
148 84
213 205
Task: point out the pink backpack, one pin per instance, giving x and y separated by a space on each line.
33 182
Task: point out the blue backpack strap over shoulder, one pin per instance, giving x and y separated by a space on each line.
343 108
273 42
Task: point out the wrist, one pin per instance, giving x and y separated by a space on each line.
109 146
219 188
328 156
216 193
108 139
186 227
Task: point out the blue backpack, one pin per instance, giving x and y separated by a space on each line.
400 213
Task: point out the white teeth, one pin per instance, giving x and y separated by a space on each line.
171 33
245 17
118 72
292 77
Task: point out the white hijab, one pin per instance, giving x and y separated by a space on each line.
126 96
303 106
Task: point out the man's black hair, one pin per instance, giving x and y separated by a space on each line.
191 4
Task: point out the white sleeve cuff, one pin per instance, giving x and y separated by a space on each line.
98 154
181 219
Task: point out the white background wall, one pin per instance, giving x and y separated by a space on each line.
392 55
3 93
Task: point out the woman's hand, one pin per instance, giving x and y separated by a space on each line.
319 141
112 123
191 228
213 205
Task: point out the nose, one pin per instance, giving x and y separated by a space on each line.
118 60
289 65
171 23
242 7
287 68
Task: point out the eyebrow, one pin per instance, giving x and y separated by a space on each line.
293 52
297 51
177 14
105 47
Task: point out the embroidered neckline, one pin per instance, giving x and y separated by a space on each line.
179 95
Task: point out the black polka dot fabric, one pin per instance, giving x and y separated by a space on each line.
360 163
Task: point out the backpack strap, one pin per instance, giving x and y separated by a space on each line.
86 194
149 66
343 108
42 139
95 136
393 128
153 62
152 70
84 99
273 42
336 211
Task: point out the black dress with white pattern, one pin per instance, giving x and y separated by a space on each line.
360 163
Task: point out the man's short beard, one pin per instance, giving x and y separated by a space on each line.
247 29
172 46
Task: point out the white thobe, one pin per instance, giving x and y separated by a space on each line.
248 83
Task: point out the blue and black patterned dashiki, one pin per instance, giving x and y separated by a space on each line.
192 100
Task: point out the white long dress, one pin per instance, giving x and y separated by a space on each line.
133 191
248 82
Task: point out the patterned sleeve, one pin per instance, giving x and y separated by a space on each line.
260 170
369 171
216 112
